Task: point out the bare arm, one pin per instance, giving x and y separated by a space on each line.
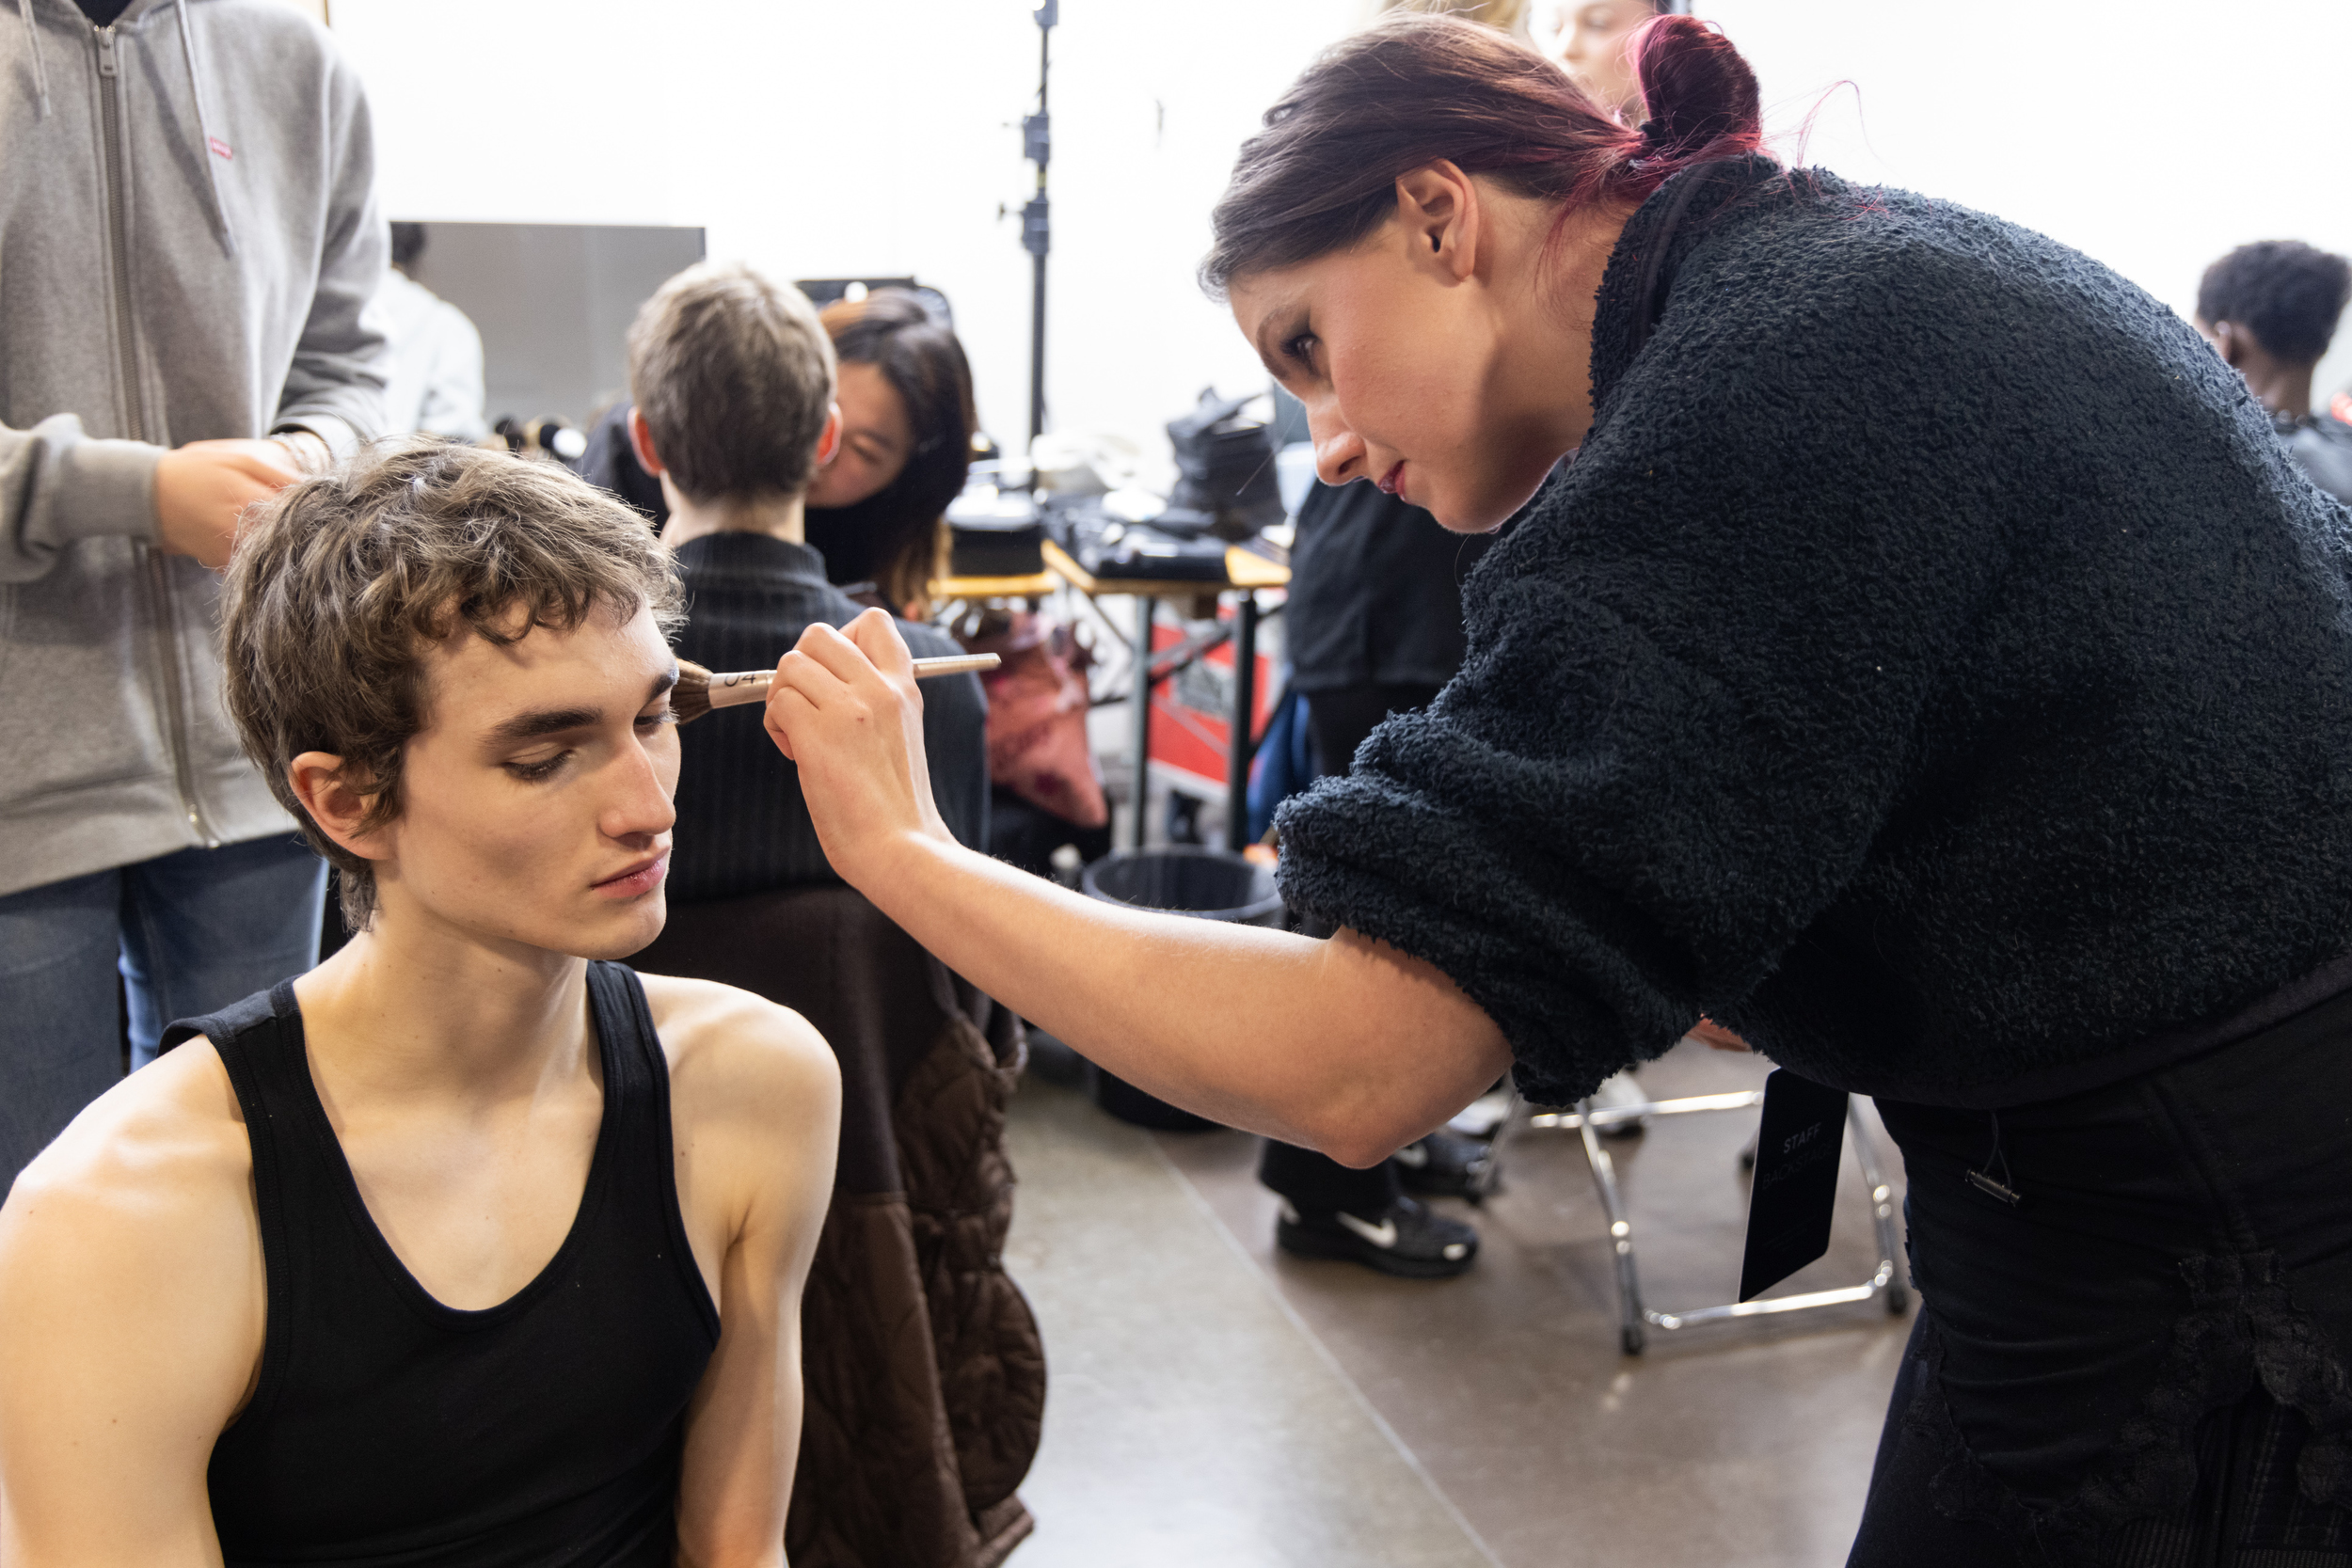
132 1289
756 1114
1347 1046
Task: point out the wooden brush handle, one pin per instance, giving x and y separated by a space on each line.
751 686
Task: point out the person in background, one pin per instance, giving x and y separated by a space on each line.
734 381
1592 44
434 370
192 243
2270 309
1503 16
907 424
1374 627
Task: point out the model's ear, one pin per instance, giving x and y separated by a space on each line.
1439 209
641 442
828 442
2231 341
334 804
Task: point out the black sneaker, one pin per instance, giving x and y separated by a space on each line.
1441 1165
1407 1240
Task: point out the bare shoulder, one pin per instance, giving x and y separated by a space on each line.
163 1150
733 1053
137 1228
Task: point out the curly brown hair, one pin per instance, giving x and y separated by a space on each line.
340 584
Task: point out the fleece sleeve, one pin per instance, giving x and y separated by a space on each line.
58 486
1694 675
335 387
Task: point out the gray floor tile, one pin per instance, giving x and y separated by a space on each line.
1189 1418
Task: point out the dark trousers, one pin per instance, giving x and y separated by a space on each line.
1339 719
2142 1364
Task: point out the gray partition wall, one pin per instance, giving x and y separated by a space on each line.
552 301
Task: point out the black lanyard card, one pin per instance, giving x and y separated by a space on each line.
1794 1191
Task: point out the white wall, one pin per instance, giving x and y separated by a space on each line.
2153 136
831 139
839 139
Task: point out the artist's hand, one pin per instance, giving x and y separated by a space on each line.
202 489
1710 1033
847 711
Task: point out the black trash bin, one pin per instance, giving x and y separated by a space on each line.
1182 878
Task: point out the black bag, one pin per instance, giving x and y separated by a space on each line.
1225 464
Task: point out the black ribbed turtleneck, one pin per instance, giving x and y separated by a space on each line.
741 824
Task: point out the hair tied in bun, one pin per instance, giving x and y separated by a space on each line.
1701 95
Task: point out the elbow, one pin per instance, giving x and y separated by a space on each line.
1356 1132
1358 1153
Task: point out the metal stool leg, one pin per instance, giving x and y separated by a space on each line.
1489 1176
1630 1318
1635 1318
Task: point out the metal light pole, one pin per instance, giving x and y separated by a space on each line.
1037 224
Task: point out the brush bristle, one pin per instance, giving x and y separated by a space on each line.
690 699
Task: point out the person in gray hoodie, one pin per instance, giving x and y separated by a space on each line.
189 243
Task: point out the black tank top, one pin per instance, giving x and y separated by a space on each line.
391 1430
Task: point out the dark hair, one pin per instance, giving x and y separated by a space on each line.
2286 292
407 243
1413 90
735 379
339 583
898 527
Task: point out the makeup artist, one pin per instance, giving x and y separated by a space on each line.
1929 665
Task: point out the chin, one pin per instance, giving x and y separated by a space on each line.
609 933
1482 515
634 932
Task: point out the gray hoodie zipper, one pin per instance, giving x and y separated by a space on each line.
158 581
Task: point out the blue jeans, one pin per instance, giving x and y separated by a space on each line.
188 932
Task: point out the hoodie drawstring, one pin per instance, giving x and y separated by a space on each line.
203 127
32 44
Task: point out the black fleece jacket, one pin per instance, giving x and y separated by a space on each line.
1933 666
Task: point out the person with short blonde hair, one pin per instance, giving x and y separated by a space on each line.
469 1246
734 378
734 381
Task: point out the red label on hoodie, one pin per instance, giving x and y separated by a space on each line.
219 147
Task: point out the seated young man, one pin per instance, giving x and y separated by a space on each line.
467 1246
733 377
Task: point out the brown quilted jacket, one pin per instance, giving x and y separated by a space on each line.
925 1375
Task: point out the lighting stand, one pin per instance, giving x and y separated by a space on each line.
1037 224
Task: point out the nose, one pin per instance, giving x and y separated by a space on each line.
1339 454
644 780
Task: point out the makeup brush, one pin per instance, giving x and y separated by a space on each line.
698 690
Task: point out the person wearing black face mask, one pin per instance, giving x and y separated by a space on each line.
906 440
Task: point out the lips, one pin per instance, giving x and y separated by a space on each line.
637 880
1393 480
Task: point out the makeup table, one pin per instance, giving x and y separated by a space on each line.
1246 574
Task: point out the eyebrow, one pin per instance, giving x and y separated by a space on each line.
1293 316
539 721
1258 342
